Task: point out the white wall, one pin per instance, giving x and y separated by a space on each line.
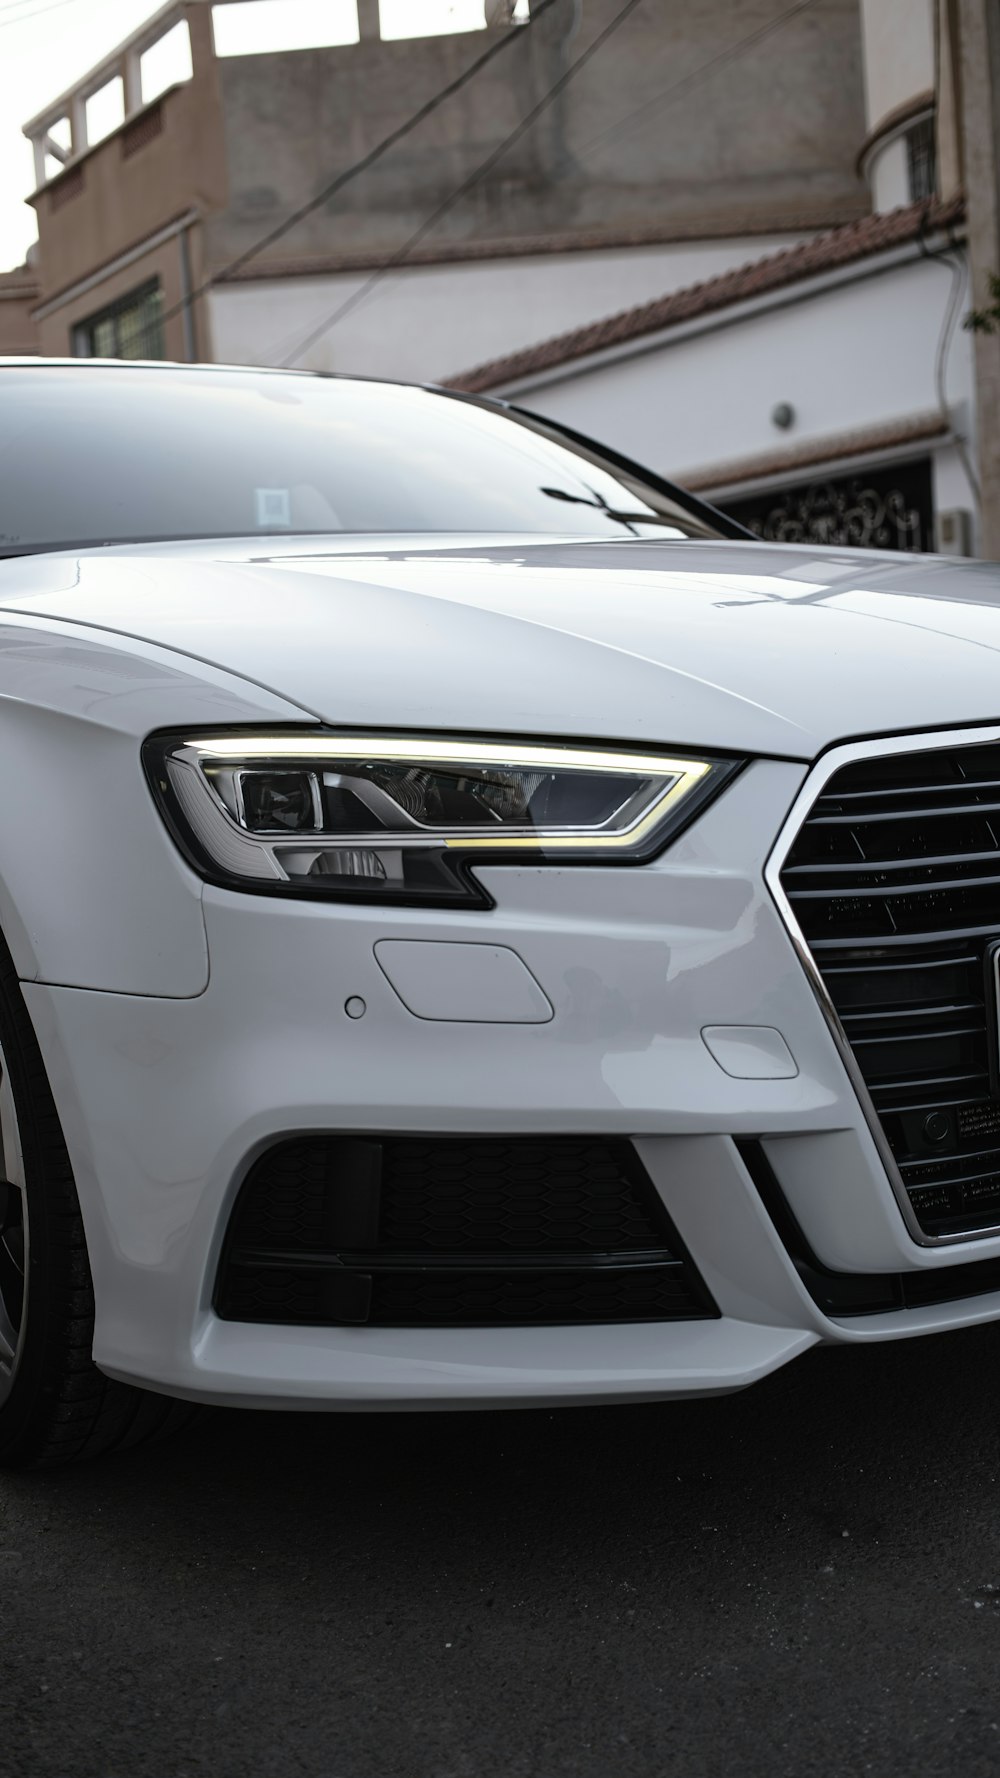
950 488
855 356
897 52
431 322
889 175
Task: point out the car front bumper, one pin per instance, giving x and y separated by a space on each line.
166 1104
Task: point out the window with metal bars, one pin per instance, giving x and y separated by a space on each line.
132 327
921 160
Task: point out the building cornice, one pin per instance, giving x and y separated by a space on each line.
58 299
365 259
814 453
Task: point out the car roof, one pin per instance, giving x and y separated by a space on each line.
36 362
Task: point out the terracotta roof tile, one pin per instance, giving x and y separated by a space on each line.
841 246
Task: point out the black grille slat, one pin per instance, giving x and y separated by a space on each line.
902 1015
930 1086
477 1231
880 890
845 819
871 867
894 878
914 940
383 1260
911 792
896 990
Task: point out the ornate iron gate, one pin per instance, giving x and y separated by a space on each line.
878 509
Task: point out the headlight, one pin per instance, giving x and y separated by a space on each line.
378 817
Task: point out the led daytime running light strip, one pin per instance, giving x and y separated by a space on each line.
383 747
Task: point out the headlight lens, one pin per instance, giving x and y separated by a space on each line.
379 817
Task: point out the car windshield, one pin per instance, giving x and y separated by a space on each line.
110 454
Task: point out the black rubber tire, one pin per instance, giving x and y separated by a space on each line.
60 1406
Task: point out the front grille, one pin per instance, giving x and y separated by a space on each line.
453 1231
894 879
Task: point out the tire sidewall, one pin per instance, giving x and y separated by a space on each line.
35 1380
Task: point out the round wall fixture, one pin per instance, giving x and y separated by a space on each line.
783 415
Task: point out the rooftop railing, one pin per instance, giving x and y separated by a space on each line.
166 50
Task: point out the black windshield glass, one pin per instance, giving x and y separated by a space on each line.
105 454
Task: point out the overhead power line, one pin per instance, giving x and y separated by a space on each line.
696 75
24 7
28 18
460 191
337 184
731 53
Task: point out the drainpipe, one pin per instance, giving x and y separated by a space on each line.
979 69
187 285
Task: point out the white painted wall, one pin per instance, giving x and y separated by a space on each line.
897 53
856 355
889 175
432 322
950 485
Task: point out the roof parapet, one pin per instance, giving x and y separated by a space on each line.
124 63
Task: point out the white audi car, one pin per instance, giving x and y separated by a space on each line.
477 927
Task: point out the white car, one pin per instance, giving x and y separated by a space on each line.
477 927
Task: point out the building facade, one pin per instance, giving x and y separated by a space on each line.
624 185
826 393
18 299
733 242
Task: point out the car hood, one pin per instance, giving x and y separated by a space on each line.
736 646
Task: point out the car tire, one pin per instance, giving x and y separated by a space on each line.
55 1405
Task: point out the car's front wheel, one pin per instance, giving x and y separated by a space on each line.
55 1405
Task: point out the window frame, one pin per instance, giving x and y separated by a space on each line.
83 341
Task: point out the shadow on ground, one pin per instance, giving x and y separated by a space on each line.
801 1579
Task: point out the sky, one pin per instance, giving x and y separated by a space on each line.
47 45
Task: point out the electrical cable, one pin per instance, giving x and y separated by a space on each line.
24 7
686 81
455 196
691 79
27 18
335 185
945 337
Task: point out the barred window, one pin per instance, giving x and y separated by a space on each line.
130 328
921 160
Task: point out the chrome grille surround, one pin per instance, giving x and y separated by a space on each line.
950 742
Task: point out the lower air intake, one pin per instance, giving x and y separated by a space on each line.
453 1231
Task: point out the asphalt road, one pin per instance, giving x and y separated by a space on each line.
802 1579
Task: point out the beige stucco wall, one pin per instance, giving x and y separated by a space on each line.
766 140
18 334
56 325
139 178
765 143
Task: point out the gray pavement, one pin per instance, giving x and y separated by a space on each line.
802 1579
